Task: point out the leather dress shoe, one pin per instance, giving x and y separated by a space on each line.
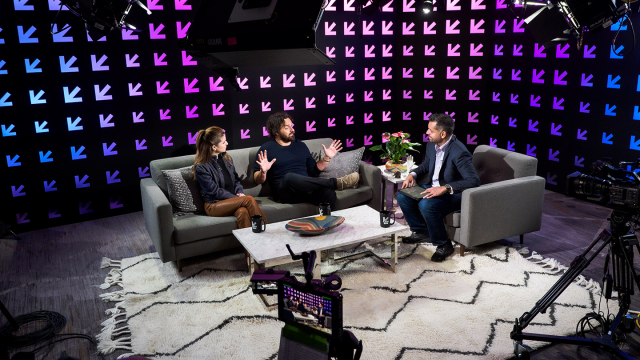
416 238
442 252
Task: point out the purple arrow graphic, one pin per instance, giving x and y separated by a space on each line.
511 146
101 94
517 50
386 94
425 138
349 142
133 91
555 130
217 110
472 118
112 178
537 77
159 60
534 101
406 73
182 31
428 73
499 27
582 135
162 89
143 172
496 74
386 50
578 162
474 95
310 126
496 97
426 116
114 204
331 122
430 50
584 108
497 50
494 119
471 140
191 113
512 122
588 52
557 78
515 75
530 150
450 95
473 73
107 151
368 118
82 183
428 94
164 114
244 134
553 155
137 117
189 86
406 115
532 126
550 179
167 141
514 98
539 51
367 140
140 144
585 81
155 33
493 142
561 51
22 219
215 85
84 209
53 214
349 120
192 138
557 104
406 51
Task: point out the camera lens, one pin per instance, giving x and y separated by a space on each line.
590 186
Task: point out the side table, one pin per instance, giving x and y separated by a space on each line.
388 178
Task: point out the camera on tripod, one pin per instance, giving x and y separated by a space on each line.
613 187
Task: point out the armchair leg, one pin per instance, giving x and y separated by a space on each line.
179 264
521 239
462 249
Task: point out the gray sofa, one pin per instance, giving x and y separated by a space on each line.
507 203
177 237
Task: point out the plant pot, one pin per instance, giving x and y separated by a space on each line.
392 167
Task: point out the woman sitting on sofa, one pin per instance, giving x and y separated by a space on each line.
219 183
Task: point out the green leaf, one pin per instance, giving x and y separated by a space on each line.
376 148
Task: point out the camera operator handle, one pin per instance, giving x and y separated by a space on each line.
308 261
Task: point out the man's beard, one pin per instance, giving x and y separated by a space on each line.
287 138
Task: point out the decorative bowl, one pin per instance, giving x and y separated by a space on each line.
314 225
392 167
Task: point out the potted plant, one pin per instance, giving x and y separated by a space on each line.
394 148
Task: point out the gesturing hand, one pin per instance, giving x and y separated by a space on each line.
333 149
264 163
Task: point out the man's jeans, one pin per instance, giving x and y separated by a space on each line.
427 215
294 189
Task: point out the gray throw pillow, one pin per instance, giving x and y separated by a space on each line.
184 191
344 163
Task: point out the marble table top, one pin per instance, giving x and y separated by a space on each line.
389 176
361 223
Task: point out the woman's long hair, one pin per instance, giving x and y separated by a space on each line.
204 141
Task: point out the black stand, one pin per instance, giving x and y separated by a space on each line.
12 321
622 280
6 229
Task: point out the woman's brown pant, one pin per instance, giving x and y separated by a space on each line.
242 207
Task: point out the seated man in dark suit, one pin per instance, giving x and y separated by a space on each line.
445 173
288 302
302 308
320 315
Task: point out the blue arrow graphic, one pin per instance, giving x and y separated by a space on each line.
636 113
610 110
112 178
31 66
109 150
3 63
41 128
13 161
4 102
6 131
76 155
67 66
18 192
634 145
606 139
45 157
73 126
82 183
50 186
613 83
37 99
70 97
25 38
612 54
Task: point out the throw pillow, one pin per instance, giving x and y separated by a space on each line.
184 190
344 163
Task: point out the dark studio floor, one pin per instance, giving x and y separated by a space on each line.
58 269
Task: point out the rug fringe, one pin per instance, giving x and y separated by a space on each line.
106 338
125 355
106 262
108 346
113 296
113 278
555 266
116 309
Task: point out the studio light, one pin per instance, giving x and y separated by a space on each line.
369 7
427 6
102 16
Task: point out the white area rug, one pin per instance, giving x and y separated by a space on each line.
461 308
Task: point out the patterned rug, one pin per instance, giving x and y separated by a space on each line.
461 308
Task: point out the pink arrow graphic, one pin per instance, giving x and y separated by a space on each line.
266 106
155 33
496 97
558 78
131 61
517 26
475 50
287 82
189 86
162 89
367 28
349 97
215 85
494 119
349 120
425 138
182 5
368 118
134 90
452 74
191 112
475 27
429 50
386 73
477 5
368 95
406 73
368 51
428 94
182 31
217 110
561 51
244 134
368 140
331 122
537 77
137 118
331 76
386 51
167 141
349 142
386 94
450 95
308 79
164 114
106 122
497 50
407 29
426 116
500 4
450 28
310 103
472 118
243 108
473 73
452 5
407 51
310 126
264 131
187 60
539 51
158 60
472 140
288 105
474 95
348 28
500 26
331 99
368 74
330 52
453 50
406 94
348 75
328 29
153 5
386 28
429 28
386 116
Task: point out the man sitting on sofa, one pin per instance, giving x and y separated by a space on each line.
293 178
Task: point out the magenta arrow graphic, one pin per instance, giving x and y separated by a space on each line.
368 74
348 51
348 28
539 51
310 103
450 95
349 142
473 73
162 89
330 52
537 77
368 140
451 74
429 28
217 110
331 99
192 138
187 60
182 5
517 26
348 75
164 114
497 50
310 126
367 118
328 29
386 94
517 50
558 78
472 118
308 79
386 116
167 141
189 86
557 104
386 28
493 142
264 131
428 94
243 108
407 29
331 122
475 27
476 50
243 83
288 81
137 118
561 51
386 73
426 116
453 50
406 94
406 115
407 51
349 97
191 113
496 97
288 105
182 31
158 60
264 82
366 28
494 119
368 95
140 145
266 106
155 33
471 140
368 51
331 76
386 51
349 120
215 85
450 28
474 95
425 138
429 50
500 26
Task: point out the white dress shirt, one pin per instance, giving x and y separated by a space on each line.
438 165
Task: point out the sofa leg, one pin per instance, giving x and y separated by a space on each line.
521 239
179 264
462 249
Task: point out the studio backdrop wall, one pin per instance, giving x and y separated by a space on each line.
82 117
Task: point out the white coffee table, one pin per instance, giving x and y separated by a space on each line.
361 223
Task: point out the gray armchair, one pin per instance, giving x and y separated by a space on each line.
507 203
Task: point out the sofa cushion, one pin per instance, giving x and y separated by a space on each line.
193 227
183 190
342 164
156 167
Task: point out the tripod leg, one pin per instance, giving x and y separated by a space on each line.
12 321
14 234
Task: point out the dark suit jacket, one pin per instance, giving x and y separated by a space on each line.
457 169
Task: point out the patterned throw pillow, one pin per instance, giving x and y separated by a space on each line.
344 163
184 191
